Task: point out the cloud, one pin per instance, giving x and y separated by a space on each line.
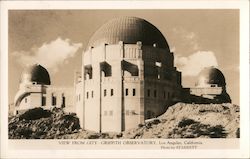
50 55
188 40
193 64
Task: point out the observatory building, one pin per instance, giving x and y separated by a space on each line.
127 76
211 86
35 90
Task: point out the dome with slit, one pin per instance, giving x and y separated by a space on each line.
211 76
129 30
36 73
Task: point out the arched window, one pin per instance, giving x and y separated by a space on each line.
87 72
130 69
106 69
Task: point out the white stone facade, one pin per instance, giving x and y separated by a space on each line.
33 95
124 84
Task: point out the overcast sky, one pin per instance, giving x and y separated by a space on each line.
56 40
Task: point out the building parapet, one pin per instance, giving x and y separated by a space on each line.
208 90
33 88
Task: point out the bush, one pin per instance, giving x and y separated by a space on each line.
155 122
217 132
25 132
42 124
34 114
186 122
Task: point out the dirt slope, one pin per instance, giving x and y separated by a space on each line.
192 121
179 121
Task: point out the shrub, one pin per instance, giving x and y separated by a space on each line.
186 122
155 122
34 114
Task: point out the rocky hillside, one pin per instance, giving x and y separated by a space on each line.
42 124
183 121
179 121
192 121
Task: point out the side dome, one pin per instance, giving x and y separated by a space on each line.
36 73
129 30
211 76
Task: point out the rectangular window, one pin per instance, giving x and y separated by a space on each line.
63 101
133 92
43 100
105 92
25 100
155 94
87 95
53 100
111 112
126 92
112 92
148 92
92 94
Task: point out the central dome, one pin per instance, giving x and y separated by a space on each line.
129 30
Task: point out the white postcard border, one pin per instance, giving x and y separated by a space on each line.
244 78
